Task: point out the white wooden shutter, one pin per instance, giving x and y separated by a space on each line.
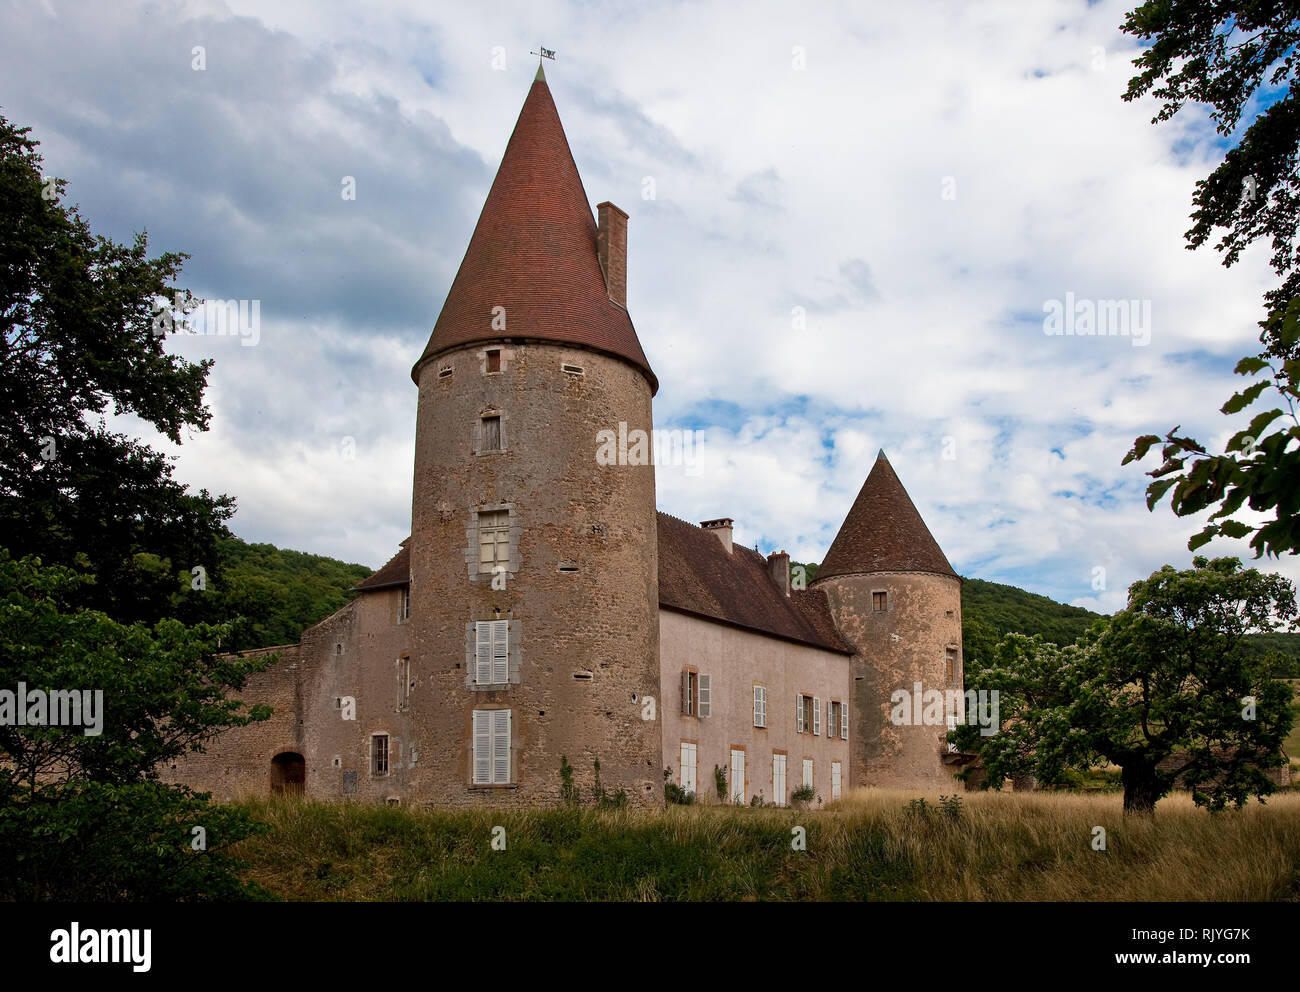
738 776
844 721
500 746
482 747
835 780
778 779
807 772
798 714
688 767
817 715
483 652
500 652
706 695
760 706
686 693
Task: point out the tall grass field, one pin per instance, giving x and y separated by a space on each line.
873 845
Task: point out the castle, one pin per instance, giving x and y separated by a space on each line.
543 609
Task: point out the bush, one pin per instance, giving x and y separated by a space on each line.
802 796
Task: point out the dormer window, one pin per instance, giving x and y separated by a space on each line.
493 360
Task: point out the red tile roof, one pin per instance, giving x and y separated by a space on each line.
533 252
396 573
883 532
697 575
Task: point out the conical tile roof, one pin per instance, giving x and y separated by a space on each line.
883 532
533 252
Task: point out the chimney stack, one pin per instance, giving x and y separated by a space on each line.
611 247
779 563
721 527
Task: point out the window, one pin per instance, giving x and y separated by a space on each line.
950 664
494 360
844 722
403 684
688 760
817 716
573 370
833 708
493 540
445 373
697 693
491 435
835 780
404 604
807 773
738 775
491 747
778 779
379 754
492 652
880 601
803 706
760 706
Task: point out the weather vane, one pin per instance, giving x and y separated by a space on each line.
544 53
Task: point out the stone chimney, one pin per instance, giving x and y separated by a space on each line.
721 527
611 247
779 563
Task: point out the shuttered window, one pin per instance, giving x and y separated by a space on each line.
688 759
706 695
492 652
817 715
493 539
835 780
844 722
799 714
491 747
807 772
738 776
491 434
760 706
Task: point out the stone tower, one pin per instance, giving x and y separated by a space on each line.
534 573
897 603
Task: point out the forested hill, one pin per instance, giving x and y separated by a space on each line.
283 592
991 610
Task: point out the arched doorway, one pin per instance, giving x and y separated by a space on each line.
288 773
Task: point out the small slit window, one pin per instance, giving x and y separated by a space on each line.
573 370
445 373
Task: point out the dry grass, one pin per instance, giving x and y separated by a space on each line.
869 846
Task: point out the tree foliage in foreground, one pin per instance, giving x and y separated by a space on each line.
85 816
1237 59
1170 676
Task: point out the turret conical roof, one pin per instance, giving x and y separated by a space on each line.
534 253
883 532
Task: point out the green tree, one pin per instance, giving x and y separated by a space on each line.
84 816
1170 676
1239 60
82 338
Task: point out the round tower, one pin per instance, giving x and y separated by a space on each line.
534 574
897 602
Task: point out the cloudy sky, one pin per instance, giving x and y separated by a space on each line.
846 223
